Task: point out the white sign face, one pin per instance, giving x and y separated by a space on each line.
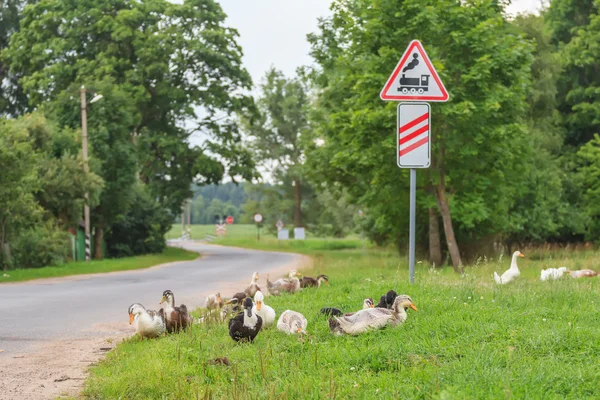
414 78
257 218
299 233
283 234
279 224
414 127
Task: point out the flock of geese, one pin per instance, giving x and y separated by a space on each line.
547 274
249 313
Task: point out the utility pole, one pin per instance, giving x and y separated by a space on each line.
84 144
189 218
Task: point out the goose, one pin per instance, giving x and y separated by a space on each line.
387 300
253 286
291 285
176 318
245 326
214 302
582 273
552 273
308 281
372 318
262 310
292 322
150 323
336 312
510 274
236 300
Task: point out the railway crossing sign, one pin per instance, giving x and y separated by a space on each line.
414 78
221 229
413 145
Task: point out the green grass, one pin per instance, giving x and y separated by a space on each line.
109 265
470 339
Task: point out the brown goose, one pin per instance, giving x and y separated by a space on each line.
176 318
309 281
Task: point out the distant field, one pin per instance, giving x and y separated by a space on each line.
470 339
109 265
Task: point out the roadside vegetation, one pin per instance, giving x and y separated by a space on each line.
469 339
170 254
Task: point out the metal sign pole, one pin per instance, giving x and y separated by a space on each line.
411 235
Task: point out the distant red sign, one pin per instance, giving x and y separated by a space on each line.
229 220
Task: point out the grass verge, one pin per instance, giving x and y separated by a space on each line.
109 265
470 339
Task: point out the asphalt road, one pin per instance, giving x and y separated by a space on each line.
35 312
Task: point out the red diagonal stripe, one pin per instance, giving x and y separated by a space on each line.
414 134
413 146
414 122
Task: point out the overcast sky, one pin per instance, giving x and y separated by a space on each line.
273 32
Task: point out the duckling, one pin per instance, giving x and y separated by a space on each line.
150 323
176 318
372 318
214 302
291 285
262 310
308 281
292 322
336 312
582 273
387 300
245 326
510 274
253 286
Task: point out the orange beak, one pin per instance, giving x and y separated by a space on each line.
372 306
413 307
299 330
131 316
327 282
258 305
218 299
521 255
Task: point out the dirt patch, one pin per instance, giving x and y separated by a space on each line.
57 368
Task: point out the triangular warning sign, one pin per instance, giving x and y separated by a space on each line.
414 78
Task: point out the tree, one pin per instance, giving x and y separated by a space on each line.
277 134
476 137
589 176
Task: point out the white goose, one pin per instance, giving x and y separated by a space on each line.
510 274
553 273
292 322
262 310
150 323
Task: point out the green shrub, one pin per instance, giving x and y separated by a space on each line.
41 246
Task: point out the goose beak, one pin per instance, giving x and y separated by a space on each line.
327 282
299 330
371 305
218 299
521 255
131 316
258 305
413 307
163 300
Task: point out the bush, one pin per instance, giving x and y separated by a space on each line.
41 246
141 230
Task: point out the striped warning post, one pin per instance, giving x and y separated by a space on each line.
88 250
414 124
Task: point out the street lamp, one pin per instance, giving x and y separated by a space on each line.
86 207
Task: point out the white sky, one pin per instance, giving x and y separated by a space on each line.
273 32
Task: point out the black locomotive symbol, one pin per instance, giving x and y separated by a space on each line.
413 85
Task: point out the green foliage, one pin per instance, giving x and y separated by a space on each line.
589 177
42 245
478 139
12 99
141 230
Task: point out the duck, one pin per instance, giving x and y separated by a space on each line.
176 317
308 281
237 300
245 325
372 318
213 301
387 300
582 273
336 312
291 285
292 322
510 274
552 273
262 310
253 286
150 323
